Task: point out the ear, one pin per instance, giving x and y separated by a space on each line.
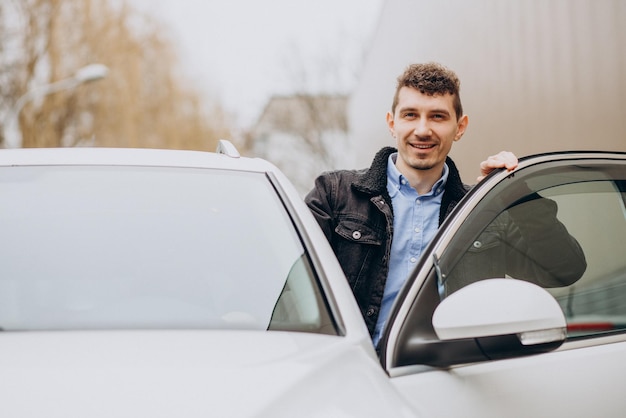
461 127
390 124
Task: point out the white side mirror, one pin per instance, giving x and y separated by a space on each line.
494 307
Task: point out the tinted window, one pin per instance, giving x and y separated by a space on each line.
596 213
580 259
137 247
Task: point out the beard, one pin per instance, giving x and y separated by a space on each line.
422 164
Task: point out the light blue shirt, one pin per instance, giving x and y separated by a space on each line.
415 223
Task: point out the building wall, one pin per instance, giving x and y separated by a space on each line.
536 75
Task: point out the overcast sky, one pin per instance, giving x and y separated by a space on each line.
243 51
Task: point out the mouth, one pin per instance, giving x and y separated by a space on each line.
423 146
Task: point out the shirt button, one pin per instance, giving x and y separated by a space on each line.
370 312
356 234
477 244
417 230
413 259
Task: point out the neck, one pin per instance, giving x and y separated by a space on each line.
422 180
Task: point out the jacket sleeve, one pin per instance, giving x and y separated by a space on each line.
540 247
319 200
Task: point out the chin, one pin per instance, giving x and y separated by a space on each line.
422 164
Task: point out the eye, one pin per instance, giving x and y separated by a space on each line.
409 115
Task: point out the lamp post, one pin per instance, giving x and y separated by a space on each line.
11 128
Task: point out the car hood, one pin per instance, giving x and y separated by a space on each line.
191 374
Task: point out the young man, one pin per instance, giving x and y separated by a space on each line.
405 194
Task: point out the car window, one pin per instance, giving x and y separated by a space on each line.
151 247
579 258
596 213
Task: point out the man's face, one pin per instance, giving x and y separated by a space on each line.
425 128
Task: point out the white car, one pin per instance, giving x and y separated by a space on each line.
153 283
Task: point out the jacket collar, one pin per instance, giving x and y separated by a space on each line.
374 180
455 186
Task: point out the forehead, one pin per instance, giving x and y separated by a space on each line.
411 98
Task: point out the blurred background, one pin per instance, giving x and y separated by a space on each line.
307 84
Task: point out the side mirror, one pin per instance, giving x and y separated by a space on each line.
499 318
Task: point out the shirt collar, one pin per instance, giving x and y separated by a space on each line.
395 179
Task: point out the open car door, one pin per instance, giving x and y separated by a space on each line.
518 306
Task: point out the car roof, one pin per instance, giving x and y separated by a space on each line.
131 157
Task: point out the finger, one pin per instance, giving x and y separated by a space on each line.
503 159
492 162
507 159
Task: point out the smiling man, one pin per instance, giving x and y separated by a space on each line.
405 194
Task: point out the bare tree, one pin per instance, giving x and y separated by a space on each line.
306 132
142 103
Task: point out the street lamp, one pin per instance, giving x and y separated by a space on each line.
11 130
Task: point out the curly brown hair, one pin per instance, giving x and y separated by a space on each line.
431 78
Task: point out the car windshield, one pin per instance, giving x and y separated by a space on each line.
112 247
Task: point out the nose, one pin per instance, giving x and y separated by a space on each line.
422 128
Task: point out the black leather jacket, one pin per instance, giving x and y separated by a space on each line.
354 210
